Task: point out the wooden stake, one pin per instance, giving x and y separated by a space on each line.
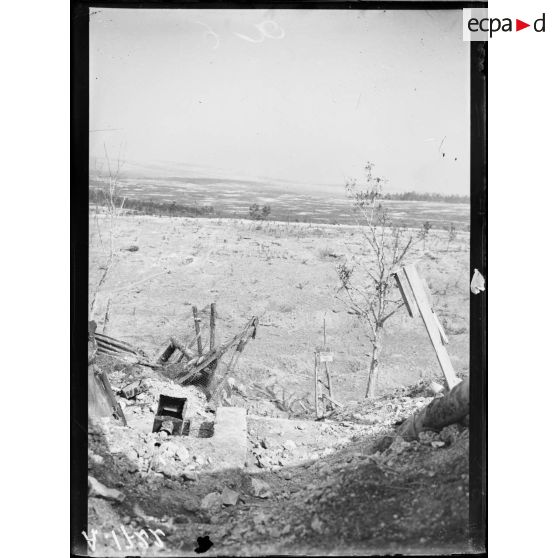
212 327
107 318
197 328
430 322
329 385
316 386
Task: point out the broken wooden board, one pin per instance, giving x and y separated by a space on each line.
193 367
101 399
164 354
431 324
120 350
182 348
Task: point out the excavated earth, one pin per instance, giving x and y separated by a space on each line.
328 487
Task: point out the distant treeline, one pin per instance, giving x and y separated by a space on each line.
425 196
154 207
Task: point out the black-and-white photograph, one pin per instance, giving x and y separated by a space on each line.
279 282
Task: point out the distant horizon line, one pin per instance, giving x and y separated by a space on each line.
232 176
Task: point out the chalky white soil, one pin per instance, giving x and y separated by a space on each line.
308 487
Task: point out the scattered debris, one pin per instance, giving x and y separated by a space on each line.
133 389
229 497
212 500
120 350
317 524
99 490
260 488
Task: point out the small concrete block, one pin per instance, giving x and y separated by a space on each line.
230 438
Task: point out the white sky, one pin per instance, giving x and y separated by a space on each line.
330 90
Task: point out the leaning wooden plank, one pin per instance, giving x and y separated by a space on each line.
443 335
430 323
106 392
206 360
406 293
440 412
213 390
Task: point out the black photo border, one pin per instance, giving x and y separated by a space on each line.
79 238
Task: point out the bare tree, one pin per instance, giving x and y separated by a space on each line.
113 207
423 234
367 282
452 235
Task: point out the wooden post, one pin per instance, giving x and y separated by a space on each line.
212 327
316 386
431 324
329 385
107 318
197 328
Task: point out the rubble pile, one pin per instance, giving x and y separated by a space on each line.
388 410
141 408
263 481
132 452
